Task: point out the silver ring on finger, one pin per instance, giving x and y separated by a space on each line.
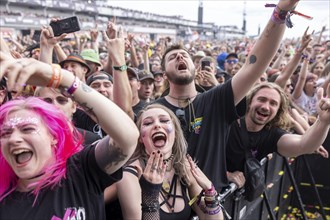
153 168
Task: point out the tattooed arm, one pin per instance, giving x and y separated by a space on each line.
261 55
111 153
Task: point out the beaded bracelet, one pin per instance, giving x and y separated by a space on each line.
56 76
69 92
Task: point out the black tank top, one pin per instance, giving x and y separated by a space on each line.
185 213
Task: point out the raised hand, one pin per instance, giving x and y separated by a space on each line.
198 174
155 169
47 37
94 33
112 29
19 72
323 108
305 40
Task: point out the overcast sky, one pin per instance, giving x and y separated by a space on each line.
223 12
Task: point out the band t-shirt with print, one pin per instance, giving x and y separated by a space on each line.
80 195
206 124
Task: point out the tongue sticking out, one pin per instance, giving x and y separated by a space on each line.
23 157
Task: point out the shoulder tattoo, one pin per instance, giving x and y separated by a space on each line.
112 156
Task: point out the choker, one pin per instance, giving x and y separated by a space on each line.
169 159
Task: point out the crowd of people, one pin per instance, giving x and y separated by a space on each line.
107 127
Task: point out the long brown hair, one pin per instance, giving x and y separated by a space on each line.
281 119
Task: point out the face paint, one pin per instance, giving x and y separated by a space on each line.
169 128
13 122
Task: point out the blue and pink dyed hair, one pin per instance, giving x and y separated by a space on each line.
68 143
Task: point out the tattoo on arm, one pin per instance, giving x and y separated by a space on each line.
88 110
252 59
86 88
111 156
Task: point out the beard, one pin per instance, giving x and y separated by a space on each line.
181 80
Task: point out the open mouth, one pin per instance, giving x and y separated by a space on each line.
22 155
262 114
182 66
159 139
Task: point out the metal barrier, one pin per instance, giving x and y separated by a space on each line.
275 202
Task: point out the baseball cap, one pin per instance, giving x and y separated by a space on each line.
231 55
221 59
145 75
133 71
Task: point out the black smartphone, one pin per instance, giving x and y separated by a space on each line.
205 63
66 25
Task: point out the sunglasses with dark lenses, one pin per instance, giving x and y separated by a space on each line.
232 61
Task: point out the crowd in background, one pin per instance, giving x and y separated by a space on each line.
298 68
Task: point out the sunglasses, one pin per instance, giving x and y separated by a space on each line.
232 61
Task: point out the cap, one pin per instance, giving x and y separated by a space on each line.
221 59
73 57
220 74
231 55
98 75
145 75
159 72
91 55
199 54
133 71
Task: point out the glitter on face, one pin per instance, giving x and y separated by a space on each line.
13 122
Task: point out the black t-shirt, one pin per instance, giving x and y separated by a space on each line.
260 143
83 121
138 107
89 137
79 196
210 115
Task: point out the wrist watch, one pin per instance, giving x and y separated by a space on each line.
120 68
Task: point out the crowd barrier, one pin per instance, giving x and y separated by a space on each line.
285 196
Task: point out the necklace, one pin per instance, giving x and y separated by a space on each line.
168 166
183 101
168 159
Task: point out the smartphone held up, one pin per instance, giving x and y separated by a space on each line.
205 63
66 25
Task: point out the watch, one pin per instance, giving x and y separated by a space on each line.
120 68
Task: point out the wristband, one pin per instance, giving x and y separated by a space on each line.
56 76
69 92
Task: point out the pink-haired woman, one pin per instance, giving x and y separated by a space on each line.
45 174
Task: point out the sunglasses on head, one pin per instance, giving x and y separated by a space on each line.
232 61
